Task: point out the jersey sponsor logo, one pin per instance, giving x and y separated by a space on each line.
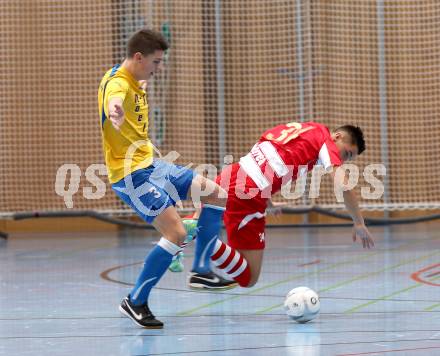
254 171
258 155
274 159
140 98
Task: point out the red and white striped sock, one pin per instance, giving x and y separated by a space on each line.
232 262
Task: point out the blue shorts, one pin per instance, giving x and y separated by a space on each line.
149 191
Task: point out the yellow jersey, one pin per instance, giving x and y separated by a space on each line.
118 82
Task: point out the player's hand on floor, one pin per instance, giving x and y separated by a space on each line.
360 231
116 116
274 209
276 212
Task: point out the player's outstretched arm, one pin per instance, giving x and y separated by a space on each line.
351 203
359 230
116 112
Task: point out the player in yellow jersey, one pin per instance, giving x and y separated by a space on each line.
150 186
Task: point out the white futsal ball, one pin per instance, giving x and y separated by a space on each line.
302 304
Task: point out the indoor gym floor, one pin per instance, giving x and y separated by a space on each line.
60 295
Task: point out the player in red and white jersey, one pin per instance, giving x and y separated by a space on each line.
286 151
281 155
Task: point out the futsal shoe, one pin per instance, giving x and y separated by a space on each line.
190 226
209 282
177 263
191 232
140 314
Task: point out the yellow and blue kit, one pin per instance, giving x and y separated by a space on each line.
148 185
118 82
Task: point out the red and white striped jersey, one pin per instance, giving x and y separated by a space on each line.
287 151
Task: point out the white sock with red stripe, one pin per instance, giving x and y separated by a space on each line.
232 263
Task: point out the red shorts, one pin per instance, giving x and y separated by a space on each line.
244 218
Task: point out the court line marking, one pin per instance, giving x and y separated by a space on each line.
333 266
297 276
417 278
105 274
315 262
60 252
386 351
218 350
358 278
432 307
162 334
385 297
237 315
283 347
433 274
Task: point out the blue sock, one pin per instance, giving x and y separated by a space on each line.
208 227
155 266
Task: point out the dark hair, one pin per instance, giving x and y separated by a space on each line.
146 42
356 134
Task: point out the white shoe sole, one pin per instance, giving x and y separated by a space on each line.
199 286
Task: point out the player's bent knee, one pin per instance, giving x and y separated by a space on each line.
180 233
174 231
176 237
